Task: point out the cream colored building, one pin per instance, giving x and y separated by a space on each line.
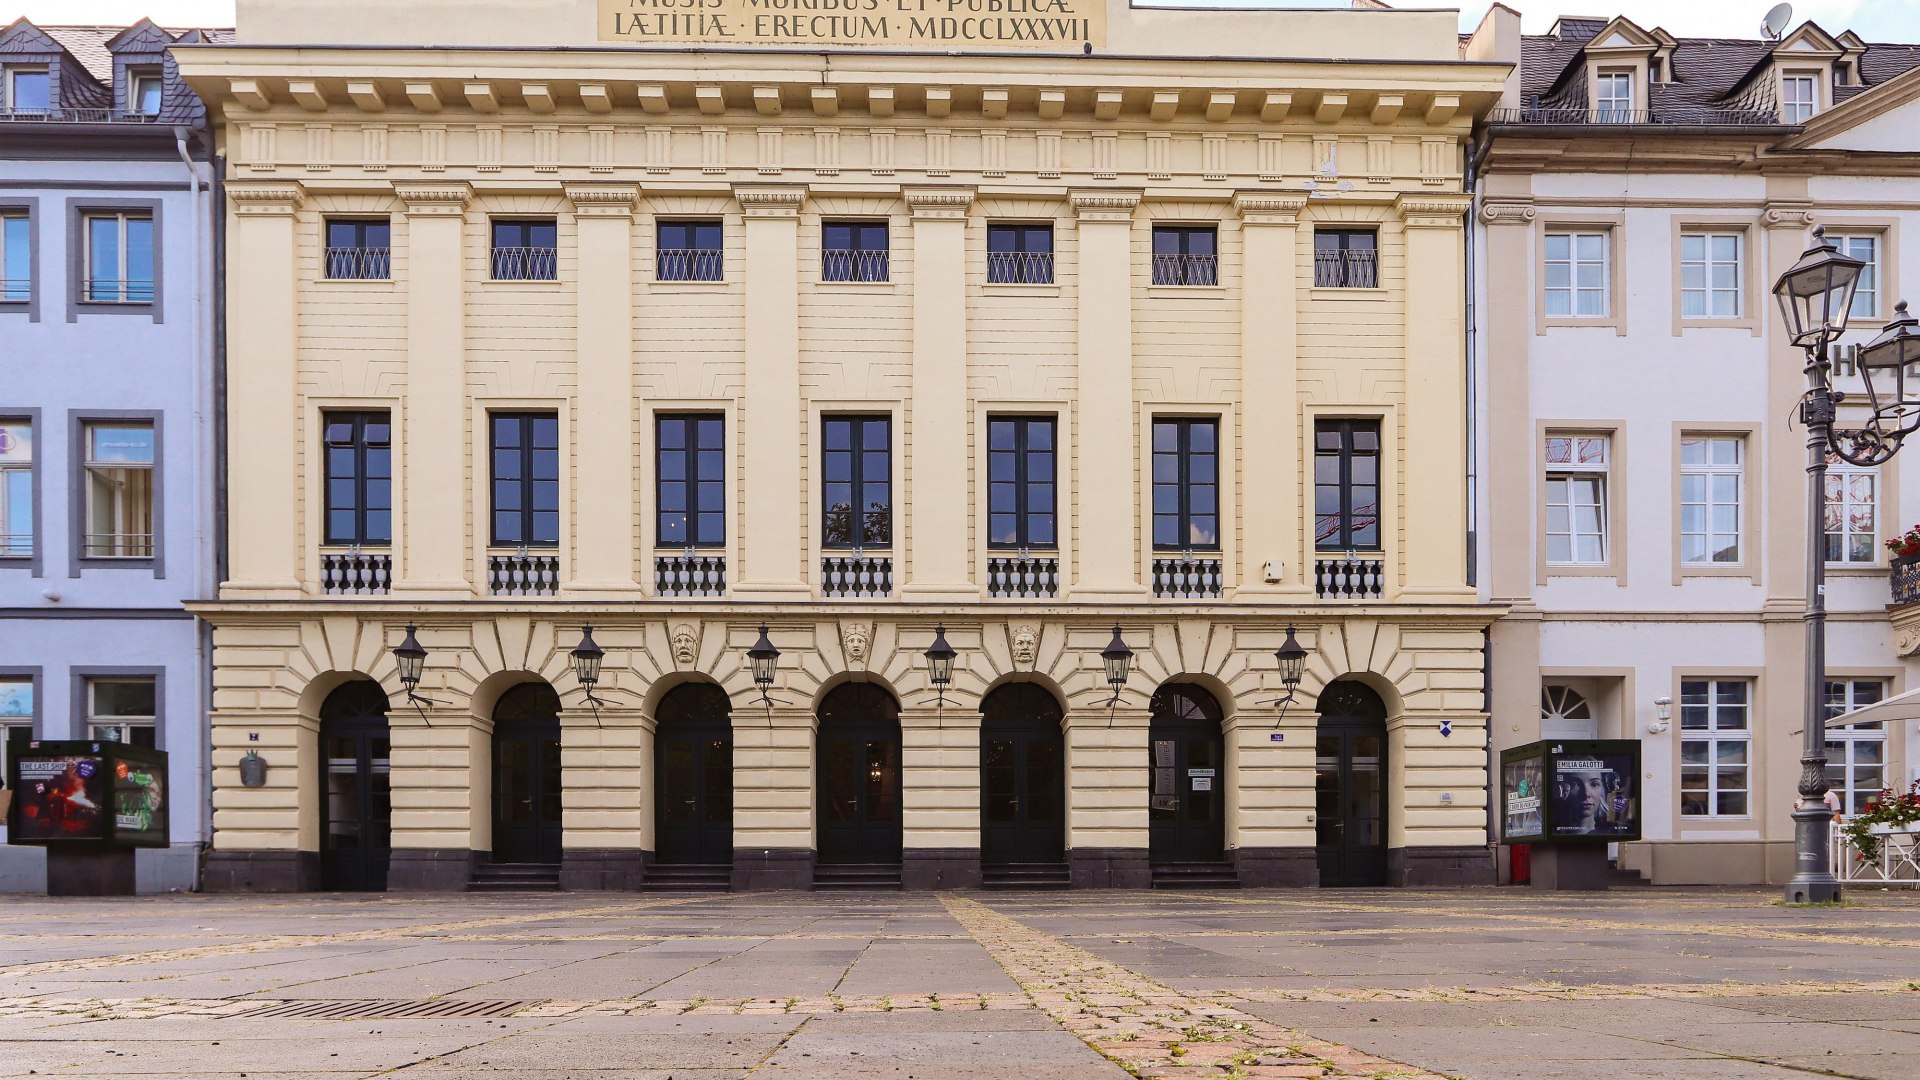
1646 500
515 296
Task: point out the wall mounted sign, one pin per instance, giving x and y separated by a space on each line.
947 25
88 792
1570 791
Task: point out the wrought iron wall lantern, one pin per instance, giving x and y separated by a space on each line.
1293 665
411 658
764 659
940 657
1118 660
587 657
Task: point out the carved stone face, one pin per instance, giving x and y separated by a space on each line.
686 646
1026 643
855 638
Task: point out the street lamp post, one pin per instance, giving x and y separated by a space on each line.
1815 296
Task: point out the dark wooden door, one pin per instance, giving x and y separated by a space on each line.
693 767
526 776
1350 796
356 834
1022 778
858 769
1187 818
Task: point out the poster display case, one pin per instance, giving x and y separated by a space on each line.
1568 791
78 793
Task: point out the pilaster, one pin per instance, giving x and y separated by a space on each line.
435 559
1107 759
772 782
938 555
263 408
1271 450
604 541
1108 506
1435 454
772 566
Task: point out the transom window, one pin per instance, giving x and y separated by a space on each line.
122 710
119 257
1866 292
691 484
856 495
689 251
1712 479
119 485
1715 746
854 251
1852 520
1577 499
359 250
359 478
1579 275
1857 753
526 250
526 479
1186 485
1710 275
16 718
145 93
16 257
1346 259
1019 254
25 90
1021 458
1346 485
1613 97
16 488
1186 255
1798 98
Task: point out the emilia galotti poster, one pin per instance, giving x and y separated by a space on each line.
1570 790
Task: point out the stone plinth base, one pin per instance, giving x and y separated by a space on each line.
431 869
1109 868
261 872
766 869
1427 867
604 869
940 868
90 871
1276 868
1570 868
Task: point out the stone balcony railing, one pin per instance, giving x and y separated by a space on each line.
1023 577
1353 576
353 572
689 572
1188 577
857 574
522 573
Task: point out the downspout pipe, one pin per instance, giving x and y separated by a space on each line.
1475 155
202 478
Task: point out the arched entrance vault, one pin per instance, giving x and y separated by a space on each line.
1023 820
1187 777
527 775
356 791
1350 798
693 777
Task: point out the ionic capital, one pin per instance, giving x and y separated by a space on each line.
1508 211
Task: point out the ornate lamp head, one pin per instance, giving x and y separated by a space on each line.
1816 293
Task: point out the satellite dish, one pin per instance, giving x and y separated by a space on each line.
1776 21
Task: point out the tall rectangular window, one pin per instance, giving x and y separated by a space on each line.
145 90
854 251
25 90
1019 254
16 488
1577 499
1346 259
359 478
359 250
1186 485
1021 462
1711 275
119 490
690 251
691 479
16 256
1712 479
1852 518
526 479
1613 97
1579 277
1346 485
1798 98
1716 740
119 256
1186 255
526 250
122 710
857 487
1866 293
16 718
1857 753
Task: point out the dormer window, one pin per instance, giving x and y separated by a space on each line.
25 90
144 91
1799 98
1613 97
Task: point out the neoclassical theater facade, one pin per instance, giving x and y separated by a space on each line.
545 318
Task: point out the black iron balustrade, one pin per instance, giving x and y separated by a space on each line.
1350 577
844 264
69 115
1023 577
859 576
526 264
690 573
688 264
359 263
1905 581
522 574
355 573
1186 269
1019 267
1686 117
1188 577
117 546
1346 270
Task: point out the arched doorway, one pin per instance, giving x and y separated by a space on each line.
1023 822
857 761
693 777
526 775
356 805
1350 793
1187 819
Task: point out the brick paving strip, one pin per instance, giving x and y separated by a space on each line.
1148 1028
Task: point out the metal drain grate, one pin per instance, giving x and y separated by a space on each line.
385 1009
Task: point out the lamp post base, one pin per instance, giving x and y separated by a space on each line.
1814 882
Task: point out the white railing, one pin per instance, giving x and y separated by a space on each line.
68 115
17 290
118 291
16 545
1352 577
1898 862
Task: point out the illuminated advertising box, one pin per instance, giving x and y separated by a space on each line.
88 793
1570 791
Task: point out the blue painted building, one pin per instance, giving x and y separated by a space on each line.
108 388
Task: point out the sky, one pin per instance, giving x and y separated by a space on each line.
1875 20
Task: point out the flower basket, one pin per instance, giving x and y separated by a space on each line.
1889 813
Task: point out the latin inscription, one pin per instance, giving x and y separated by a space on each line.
1057 25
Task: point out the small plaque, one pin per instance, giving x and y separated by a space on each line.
1278 736
1203 783
1208 773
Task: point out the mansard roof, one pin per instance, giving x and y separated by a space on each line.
88 67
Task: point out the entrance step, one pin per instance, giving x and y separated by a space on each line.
515 877
1195 875
689 877
1619 877
1025 876
843 876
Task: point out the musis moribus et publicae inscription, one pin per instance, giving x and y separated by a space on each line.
1054 25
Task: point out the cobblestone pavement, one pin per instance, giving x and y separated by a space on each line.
1061 986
